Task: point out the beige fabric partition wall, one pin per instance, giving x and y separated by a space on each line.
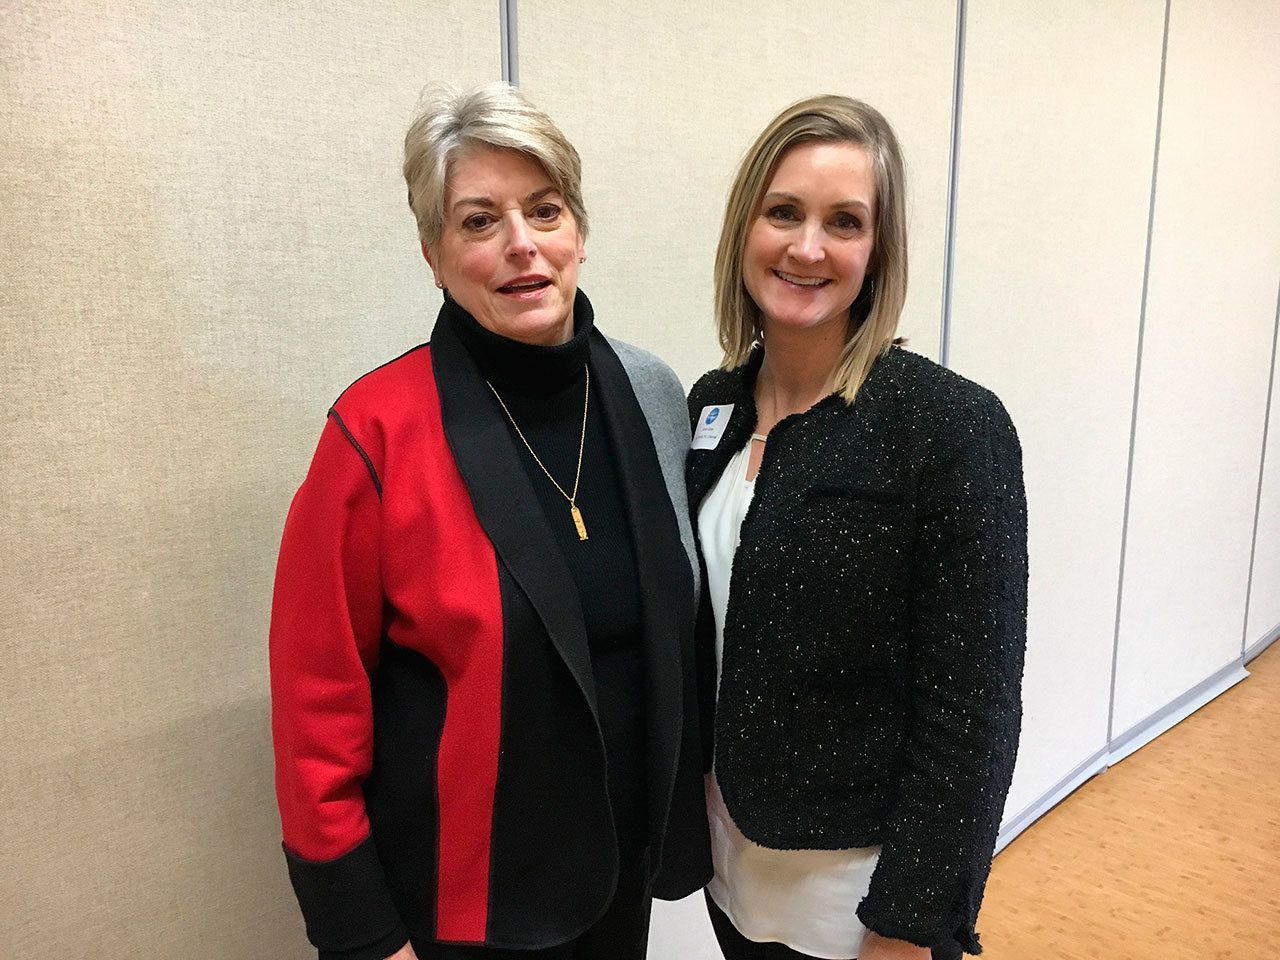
663 98
1206 360
204 239
1056 150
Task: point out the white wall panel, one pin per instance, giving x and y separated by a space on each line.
204 237
1059 118
1264 595
663 98
1206 358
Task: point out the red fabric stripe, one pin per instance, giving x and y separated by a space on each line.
467 774
470 654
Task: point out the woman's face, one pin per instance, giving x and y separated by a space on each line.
807 250
510 247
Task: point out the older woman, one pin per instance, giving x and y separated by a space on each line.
869 505
484 709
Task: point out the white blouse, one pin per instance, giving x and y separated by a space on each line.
804 899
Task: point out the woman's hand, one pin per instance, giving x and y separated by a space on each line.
404 953
876 947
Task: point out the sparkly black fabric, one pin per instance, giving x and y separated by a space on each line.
874 635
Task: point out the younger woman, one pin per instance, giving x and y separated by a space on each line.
862 515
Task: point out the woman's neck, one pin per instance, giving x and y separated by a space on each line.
797 371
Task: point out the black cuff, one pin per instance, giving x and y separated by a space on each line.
346 905
374 951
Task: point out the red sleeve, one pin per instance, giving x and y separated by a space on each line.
326 627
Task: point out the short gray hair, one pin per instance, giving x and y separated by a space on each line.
497 116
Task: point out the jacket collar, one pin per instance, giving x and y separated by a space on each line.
737 387
505 504
512 517
734 387
666 579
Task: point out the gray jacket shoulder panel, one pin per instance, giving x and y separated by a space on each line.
662 402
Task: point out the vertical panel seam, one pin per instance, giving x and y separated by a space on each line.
502 40
1137 374
953 180
1262 465
509 38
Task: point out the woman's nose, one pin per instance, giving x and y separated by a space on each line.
520 245
806 247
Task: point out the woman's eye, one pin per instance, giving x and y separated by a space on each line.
477 221
783 212
846 223
546 212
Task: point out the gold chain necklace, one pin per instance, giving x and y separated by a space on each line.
582 444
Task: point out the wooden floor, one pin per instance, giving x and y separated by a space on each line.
1172 854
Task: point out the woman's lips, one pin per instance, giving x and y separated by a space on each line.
525 289
796 282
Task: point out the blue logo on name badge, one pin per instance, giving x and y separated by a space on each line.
712 416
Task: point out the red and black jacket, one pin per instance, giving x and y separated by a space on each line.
440 768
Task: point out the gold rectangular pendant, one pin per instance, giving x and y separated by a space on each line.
577 521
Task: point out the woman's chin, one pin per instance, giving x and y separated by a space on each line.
798 321
539 324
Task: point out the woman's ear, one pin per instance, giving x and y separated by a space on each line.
426 255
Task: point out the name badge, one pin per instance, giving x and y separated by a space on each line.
710 427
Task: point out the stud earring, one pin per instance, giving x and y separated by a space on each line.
439 285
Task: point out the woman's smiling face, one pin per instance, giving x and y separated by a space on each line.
510 247
807 250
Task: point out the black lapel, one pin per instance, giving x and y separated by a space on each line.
666 579
703 467
507 509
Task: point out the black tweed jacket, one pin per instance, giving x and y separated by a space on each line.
874 637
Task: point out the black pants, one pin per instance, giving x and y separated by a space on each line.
735 946
621 934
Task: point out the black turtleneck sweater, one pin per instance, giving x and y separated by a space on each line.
544 388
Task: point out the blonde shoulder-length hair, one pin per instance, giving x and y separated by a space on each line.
835 119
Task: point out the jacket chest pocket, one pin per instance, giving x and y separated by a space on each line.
856 504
